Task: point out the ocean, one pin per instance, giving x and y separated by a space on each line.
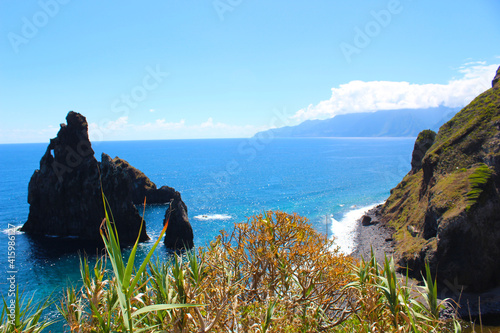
331 181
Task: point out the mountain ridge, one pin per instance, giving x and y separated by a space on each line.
382 123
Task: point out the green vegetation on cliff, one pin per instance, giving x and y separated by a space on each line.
426 135
447 209
478 181
461 142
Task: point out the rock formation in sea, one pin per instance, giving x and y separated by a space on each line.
65 193
179 233
446 211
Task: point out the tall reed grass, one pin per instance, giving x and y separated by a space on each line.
386 303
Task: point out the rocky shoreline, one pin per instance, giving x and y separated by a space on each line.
370 233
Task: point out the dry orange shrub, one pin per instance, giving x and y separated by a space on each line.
274 273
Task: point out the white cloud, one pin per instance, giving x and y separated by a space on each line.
122 129
101 131
470 63
360 96
208 123
27 135
119 124
161 124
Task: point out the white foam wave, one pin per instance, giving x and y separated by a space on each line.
13 230
345 229
209 217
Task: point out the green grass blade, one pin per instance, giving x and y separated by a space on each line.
147 259
269 316
17 309
131 258
163 307
149 329
112 244
130 264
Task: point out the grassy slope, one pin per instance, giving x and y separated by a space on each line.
458 178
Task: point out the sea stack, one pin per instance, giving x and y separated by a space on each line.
65 193
179 233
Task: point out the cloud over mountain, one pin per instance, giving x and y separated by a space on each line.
360 96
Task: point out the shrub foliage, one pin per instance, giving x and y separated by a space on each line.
274 273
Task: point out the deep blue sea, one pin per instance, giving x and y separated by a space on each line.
331 181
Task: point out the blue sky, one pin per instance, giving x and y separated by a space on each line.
176 69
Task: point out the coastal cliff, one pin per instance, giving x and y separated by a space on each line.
65 193
446 210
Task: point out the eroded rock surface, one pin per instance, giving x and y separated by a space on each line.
65 193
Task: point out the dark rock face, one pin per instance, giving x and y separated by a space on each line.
469 248
366 220
496 79
424 141
430 224
141 186
65 193
179 233
116 187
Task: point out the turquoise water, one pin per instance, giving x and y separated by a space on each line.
328 180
